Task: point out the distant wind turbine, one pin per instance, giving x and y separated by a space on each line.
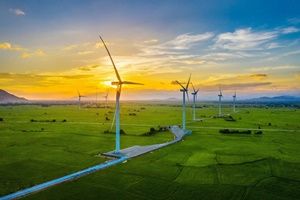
184 91
194 101
106 99
220 101
79 100
119 84
234 97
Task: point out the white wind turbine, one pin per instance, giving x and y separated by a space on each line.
234 97
79 100
194 101
184 91
220 101
119 84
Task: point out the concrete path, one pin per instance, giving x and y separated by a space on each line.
134 151
124 154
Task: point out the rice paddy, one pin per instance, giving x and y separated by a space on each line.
42 143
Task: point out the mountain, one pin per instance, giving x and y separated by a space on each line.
276 99
6 97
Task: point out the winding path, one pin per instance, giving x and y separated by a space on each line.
124 154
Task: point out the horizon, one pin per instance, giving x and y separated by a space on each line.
48 52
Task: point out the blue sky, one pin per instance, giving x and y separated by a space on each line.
49 48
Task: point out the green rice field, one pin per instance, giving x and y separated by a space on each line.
41 143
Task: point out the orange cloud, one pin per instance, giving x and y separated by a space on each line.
85 52
7 46
36 53
151 41
254 76
258 76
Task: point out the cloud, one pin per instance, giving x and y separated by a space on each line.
100 44
70 47
25 54
273 68
17 11
294 20
80 76
85 52
84 69
254 76
258 76
151 41
185 41
231 86
297 75
7 46
36 53
244 39
180 43
39 53
291 29
95 66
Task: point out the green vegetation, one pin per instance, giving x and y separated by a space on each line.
206 165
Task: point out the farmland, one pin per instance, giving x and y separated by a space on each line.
42 143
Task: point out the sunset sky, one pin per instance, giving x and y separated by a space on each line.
51 48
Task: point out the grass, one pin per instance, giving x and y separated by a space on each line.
206 165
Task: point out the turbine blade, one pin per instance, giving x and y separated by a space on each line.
113 122
180 85
116 71
187 95
193 88
220 90
187 85
129 82
78 92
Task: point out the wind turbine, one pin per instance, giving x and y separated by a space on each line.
234 97
194 101
119 84
184 91
106 99
220 102
79 98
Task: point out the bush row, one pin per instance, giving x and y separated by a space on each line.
233 131
53 120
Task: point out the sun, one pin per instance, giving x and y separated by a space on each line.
108 84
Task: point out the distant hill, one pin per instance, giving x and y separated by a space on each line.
6 97
276 99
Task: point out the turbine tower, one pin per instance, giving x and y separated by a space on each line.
79 99
119 84
234 97
194 101
184 91
220 101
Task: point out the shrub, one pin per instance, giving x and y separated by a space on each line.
122 132
229 118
